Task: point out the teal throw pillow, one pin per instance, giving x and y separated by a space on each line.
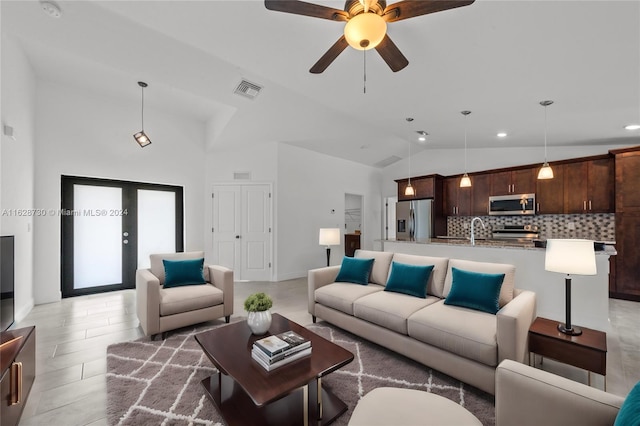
183 272
475 290
629 414
409 279
355 270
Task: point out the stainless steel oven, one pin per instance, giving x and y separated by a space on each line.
512 204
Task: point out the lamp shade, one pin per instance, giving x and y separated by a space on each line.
329 236
576 257
465 181
365 31
545 171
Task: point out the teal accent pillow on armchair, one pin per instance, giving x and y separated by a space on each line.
629 414
183 272
355 270
475 290
409 279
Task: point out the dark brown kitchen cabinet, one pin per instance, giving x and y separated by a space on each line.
18 368
520 181
627 202
589 186
457 201
550 192
424 187
480 192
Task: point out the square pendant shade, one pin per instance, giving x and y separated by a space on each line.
142 138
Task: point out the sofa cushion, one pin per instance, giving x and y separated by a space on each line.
380 270
390 310
435 286
409 279
465 332
176 300
354 270
183 272
157 267
509 271
475 290
629 414
340 296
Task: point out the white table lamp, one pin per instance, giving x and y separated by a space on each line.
329 237
571 257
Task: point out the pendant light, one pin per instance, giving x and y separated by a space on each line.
141 137
409 191
465 182
545 171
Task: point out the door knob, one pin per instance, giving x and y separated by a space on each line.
125 234
125 241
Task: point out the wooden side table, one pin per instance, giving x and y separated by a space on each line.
587 351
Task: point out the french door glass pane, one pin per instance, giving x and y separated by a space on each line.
97 235
156 224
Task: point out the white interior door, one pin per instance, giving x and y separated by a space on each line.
242 230
256 233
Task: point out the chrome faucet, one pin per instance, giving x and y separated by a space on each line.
473 239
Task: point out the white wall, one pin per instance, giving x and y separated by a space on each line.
17 159
451 162
310 186
84 133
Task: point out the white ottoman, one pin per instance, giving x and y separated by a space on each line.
408 407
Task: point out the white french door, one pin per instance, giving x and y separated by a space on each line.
109 229
242 234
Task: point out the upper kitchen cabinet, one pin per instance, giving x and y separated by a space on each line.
457 201
589 186
423 186
480 192
550 192
520 181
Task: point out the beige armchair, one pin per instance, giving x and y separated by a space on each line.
529 396
162 309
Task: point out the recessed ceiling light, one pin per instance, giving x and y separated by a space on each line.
502 135
51 9
632 127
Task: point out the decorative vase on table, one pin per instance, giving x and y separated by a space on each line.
257 306
259 322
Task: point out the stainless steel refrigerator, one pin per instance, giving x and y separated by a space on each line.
413 220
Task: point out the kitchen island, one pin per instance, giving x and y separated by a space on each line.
590 294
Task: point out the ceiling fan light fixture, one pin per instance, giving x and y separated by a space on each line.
365 31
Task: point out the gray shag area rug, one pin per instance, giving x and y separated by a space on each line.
158 382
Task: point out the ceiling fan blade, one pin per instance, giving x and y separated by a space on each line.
391 54
410 8
306 9
329 56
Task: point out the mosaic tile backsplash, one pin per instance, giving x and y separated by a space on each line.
597 226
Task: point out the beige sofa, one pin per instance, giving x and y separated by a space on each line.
463 343
528 396
162 309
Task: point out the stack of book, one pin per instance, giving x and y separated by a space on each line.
275 351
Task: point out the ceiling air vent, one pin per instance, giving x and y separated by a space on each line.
241 175
248 89
387 161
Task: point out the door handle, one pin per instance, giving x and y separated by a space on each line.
589 204
16 381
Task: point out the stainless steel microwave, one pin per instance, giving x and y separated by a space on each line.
512 204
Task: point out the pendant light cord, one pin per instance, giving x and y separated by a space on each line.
545 133
142 112
465 143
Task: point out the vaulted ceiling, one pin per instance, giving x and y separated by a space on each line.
498 59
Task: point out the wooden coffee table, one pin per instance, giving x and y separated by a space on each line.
245 393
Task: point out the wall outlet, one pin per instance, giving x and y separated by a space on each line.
466 225
571 226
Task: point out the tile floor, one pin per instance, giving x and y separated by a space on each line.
72 336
